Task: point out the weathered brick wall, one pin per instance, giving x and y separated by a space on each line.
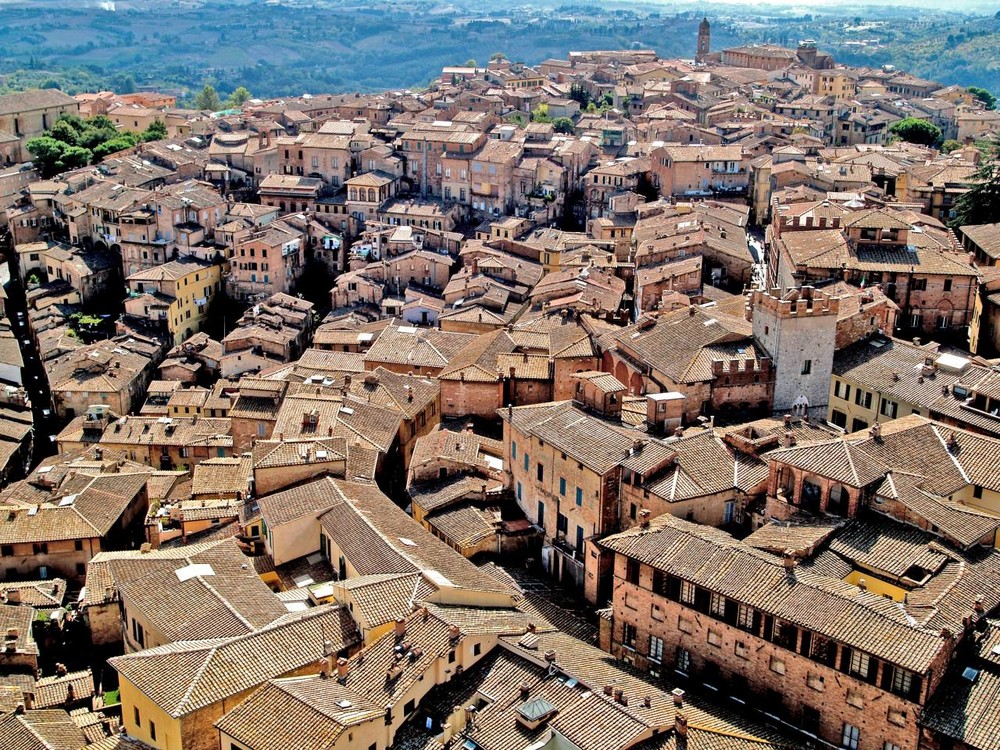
796 681
460 398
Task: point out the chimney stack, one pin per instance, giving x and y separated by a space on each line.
678 694
681 728
644 515
343 668
788 560
400 628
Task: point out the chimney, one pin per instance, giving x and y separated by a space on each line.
916 341
691 310
343 669
347 380
60 670
952 441
647 702
400 628
788 420
550 656
525 691
454 632
789 439
788 560
531 627
876 431
681 728
678 694
644 515
609 689
326 667
862 584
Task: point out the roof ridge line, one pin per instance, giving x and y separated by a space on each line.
194 681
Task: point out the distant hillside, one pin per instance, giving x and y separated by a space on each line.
286 49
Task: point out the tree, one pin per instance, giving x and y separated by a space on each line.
63 130
73 157
986 97
123 142
981 203
541 113
470 63
916 130
950 145
208 98
45 153
563 125
239 97
157 131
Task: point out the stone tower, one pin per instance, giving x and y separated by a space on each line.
798 330
704 39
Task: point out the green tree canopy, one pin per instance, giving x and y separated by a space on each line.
986 97
541 113
208 98
981 203
63 130
916 130
53 156
950 145
563 125
239 97
157 131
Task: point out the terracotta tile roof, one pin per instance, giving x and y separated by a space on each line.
965 709
88 507
802 538
308 713
594 669
675 343
465 524
381 598
222 476
586 439
435 495
478 361
919 446
881 545
46 594
18 618
960 524
986 237
835 459
268 454
376 536
467 448
230 601
57 691
718 562
184 677
695 466
419 347
331 414
45 729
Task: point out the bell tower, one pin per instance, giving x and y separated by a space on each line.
704 39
